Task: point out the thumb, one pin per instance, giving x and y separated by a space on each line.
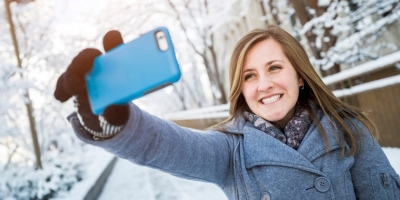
112 39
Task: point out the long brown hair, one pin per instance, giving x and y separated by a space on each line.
315 92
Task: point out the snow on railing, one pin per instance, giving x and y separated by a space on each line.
200 113
369 67
384 82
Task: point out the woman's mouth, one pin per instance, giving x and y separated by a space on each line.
271 99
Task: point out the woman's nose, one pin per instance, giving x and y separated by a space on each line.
265 83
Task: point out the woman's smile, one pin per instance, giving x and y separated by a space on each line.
271 99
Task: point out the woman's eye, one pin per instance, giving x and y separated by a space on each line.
274 67
248 76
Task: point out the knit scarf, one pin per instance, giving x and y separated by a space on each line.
294 131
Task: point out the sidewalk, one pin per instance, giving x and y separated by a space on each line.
131 181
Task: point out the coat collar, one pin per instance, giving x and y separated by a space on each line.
262 149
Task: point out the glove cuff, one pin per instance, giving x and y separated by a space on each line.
108 130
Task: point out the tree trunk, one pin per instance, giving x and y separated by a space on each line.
300 7
301 12
219 80
274 14
28 105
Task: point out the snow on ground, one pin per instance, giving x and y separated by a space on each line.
131 181
97 163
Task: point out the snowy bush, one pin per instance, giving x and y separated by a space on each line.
60 172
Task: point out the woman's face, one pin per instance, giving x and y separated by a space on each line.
271 84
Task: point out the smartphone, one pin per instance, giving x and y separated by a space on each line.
132 70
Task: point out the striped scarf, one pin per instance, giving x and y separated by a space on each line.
294 131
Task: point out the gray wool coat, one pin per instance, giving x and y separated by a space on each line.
248 164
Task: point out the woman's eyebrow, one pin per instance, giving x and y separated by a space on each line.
266 64
272 61
247 70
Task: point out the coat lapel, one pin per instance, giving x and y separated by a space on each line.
262 149
313 145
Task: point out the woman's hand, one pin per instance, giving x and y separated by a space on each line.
72 84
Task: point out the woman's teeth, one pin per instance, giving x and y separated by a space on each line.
271 99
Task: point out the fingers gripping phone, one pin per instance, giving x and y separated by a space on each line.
132 70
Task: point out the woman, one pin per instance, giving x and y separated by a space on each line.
288 136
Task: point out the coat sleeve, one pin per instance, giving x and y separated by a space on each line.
373 176
153 142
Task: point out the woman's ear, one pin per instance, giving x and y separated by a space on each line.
301 82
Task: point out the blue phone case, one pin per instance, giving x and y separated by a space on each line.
131 70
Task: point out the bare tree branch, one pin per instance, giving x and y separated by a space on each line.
10 155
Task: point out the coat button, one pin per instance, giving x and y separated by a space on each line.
322 184
266 196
